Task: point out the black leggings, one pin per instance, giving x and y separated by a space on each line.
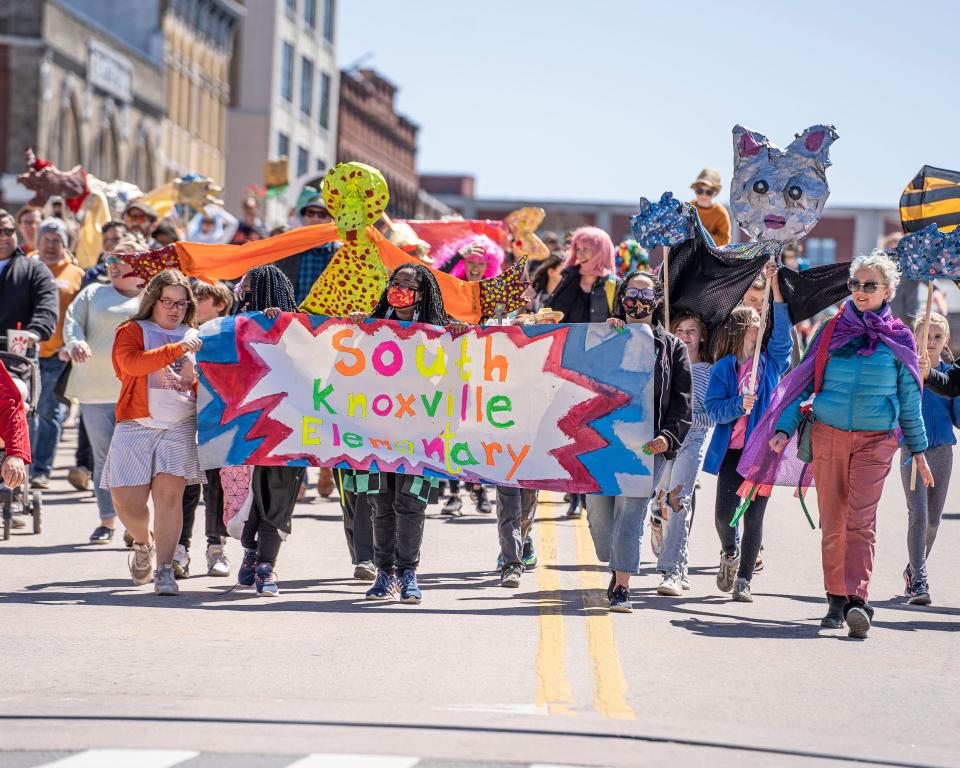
728 483
274 497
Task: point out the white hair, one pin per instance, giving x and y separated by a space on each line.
878 261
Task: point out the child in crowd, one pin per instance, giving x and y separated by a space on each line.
941 413
153 451
616 522
274 489
683 470
400 501
213 301
736 412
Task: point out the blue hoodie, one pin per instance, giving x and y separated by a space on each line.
940 416
723 402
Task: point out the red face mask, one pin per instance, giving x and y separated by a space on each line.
401 298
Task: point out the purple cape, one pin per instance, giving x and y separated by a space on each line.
760 465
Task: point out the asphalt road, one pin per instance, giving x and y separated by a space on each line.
476 674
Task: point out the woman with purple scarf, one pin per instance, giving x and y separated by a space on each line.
861 372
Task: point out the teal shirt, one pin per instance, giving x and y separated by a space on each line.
864 393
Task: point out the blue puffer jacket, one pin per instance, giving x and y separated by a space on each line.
940 416
724 403
864 393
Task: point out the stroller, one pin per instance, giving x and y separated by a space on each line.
25 371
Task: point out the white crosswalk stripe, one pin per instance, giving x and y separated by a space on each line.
123 758
323 760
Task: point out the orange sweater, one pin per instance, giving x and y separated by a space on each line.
68 277
133 365
716 221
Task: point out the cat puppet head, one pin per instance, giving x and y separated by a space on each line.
776 194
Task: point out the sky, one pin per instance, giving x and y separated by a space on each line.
611 100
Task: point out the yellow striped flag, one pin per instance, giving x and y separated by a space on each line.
931 197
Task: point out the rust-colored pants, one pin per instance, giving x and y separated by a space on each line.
849 469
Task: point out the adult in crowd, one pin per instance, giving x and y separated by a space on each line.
713 215
304 268
141 218
862 368
545 279
585 294
28 225
89 329
110 235
28 294
250 227
165 233
213 225
46 428
153 452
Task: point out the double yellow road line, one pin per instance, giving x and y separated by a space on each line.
553 686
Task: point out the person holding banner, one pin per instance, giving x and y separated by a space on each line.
737 405
274 489
865 362
400 501
153 451
616 522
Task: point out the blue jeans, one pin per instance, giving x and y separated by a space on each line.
46 426
616 525
99 420
682 480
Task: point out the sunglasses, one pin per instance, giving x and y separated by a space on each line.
705 191
8 231
870 286
647 294
133 216
171 304
113 260
404 284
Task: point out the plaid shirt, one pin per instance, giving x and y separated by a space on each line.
312 264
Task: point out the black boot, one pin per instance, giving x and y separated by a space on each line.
859 617
834 617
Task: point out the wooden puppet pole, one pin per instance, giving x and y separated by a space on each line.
387 221
666 288
921 353
763 327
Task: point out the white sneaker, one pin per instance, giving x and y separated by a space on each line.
164 581
181 562
140 561
217 562
670 586
684 582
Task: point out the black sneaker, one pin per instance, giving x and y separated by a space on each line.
919 592
479 496
453 507
859 617
102 535
620 600
611 585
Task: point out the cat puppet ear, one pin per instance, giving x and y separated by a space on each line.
747 143
815 143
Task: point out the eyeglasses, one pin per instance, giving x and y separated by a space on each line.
8 231
868 287
648 294
404 284
705 191
171 304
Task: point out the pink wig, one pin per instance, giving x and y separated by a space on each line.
491 250
603 263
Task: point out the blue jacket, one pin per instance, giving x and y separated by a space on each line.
723 402
864 394
940 416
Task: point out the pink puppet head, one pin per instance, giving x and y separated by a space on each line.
492 255
592 250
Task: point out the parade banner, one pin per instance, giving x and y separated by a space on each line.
556 407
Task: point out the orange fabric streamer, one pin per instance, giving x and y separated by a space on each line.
228 262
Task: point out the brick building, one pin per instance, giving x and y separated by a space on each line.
370 131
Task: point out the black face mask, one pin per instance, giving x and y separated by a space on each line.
639 303
640 310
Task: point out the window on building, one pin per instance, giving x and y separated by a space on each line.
310 13
286 73
303 161
292 7
321 164
324 100
328 20
283 145
820 250
306 85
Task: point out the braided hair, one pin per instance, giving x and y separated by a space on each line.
268 287
431 309
620 312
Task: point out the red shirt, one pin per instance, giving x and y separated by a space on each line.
13 419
